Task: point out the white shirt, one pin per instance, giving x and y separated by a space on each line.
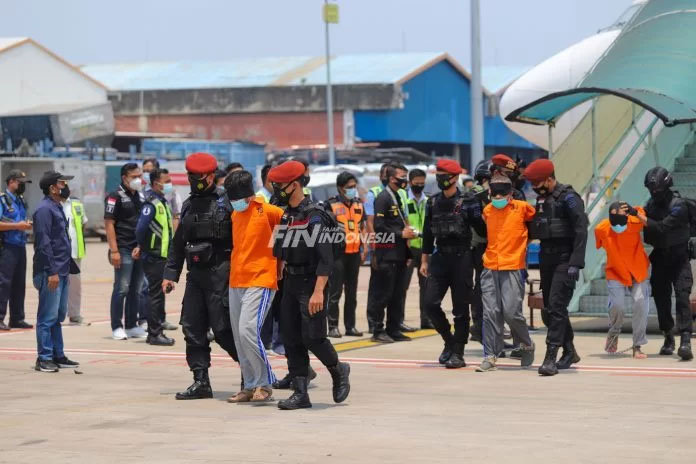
72 233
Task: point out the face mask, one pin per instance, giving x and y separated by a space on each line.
282 195
499 203
21 188
167 189
239 205
619 229
146 177
198 185
618 219
65 192
541 191
659 195
351 193
136 184
401 182
417 189
304 180
443 181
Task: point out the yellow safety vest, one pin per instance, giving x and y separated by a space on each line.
78 214
160 228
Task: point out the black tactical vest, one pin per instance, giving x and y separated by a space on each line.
659 211
446 217
551 219
299 258
207 218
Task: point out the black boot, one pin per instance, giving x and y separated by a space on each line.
456 361
568 357
684 351
341 384
667 347
286 382
299 399
446 353
549 365
199 389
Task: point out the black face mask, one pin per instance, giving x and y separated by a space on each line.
304 180
660 195
282 196
618 219
417 189
198 185
541 191
401 182
444 181
21 188
65 192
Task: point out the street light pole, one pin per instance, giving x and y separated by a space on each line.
476 87
329 93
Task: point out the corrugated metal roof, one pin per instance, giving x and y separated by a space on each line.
262 72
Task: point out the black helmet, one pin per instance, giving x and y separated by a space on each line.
482 171
658 179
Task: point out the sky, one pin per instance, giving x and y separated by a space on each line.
514 32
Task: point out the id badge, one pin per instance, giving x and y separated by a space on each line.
351 224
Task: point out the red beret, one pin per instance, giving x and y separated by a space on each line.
201 163
504 161
286 172
539 170
449 166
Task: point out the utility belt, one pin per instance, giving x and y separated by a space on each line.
204 255
454 249
300 270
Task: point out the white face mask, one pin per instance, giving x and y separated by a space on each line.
136 184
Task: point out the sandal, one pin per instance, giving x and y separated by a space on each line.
262 395
243 396
612 343
637 354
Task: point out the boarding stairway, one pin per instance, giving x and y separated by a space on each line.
625 142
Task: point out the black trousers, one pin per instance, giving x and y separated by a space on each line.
477 253
344 276
557 290
206 304
301 332
671 270
388 281
154 268
453 271
13 276
416 253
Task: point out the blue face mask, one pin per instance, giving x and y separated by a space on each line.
499 203
239 205
619 229
351 193
167 188
146 177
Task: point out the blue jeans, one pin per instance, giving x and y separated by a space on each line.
53 306
128 282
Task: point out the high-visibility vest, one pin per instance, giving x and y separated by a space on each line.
350 217
160 228
403 194
416 219
264 194
78 214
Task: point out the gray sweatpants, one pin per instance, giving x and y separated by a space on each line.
640 291
248 310
502 293
75 293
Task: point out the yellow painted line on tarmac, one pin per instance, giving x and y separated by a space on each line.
367 343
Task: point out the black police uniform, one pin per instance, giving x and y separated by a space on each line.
388 264
301 331
204 240
668 232
560 223
447 238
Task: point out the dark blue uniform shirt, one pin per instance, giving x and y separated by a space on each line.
16 211
51 240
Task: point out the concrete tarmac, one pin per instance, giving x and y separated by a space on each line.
403 406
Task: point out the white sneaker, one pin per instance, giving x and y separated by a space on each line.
143 325
136 332
119 334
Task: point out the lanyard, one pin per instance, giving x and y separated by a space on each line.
396 202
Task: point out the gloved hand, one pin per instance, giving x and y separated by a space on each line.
573 273
630 210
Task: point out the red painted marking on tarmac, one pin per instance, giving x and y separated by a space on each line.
638 374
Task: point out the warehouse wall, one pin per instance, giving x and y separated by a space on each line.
31 77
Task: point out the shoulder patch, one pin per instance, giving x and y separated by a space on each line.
147 209
572 200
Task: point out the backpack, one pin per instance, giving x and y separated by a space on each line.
339 246
691 205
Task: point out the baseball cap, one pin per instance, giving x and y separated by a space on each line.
52 178
17 174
